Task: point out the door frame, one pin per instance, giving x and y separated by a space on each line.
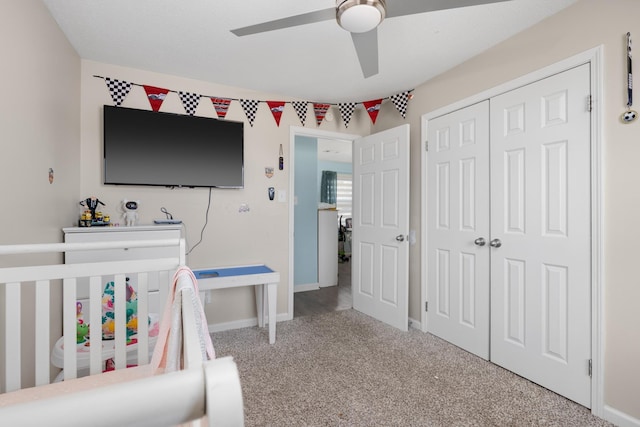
594 57
295 131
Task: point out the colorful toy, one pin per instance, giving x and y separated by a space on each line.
108 316
82 332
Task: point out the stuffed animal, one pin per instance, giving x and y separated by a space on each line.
130 214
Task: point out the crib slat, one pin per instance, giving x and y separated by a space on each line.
43 321
120 313
69 328
143 316
12 333
95 319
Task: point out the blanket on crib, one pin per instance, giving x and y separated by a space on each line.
168 352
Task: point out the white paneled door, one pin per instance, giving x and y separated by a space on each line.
458 228
540 215
380 247
521 296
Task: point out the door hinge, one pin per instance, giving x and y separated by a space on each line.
590 367
426 306
426 146
589 103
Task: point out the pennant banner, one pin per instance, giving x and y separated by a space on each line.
401 100
155 95
119 89
301 110
190 102
320 111
276 107
250 108
221 105
346 111
373 107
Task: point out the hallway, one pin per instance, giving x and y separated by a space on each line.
325 300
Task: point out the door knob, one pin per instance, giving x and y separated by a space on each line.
480 241
400 238
495 243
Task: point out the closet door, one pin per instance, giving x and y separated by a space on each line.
540 224
458 228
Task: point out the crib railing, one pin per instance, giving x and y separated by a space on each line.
151 275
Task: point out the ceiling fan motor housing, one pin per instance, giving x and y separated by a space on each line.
360 16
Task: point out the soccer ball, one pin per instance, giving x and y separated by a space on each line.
629 116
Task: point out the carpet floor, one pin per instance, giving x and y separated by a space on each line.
347 369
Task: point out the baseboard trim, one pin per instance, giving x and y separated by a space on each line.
619 418
243 323
415 324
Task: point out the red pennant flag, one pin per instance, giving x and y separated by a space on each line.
155 95
221 105
276 107
373 107
320 111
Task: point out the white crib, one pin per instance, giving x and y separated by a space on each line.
208 388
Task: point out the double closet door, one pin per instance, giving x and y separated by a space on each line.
509 231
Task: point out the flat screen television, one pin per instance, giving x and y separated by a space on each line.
143 147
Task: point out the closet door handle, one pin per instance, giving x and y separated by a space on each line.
400 238
495 243
480 241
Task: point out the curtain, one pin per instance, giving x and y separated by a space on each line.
329 187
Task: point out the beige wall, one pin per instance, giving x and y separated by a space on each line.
585 25
40 123
231 238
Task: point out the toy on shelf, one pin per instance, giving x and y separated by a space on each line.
91 216
130 214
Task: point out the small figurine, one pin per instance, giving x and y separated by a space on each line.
92 203
81 332
130 208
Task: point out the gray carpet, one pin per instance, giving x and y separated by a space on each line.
346 369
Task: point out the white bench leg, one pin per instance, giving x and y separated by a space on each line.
272 295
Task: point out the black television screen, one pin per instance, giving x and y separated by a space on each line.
143 147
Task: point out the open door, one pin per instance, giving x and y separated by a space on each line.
380 247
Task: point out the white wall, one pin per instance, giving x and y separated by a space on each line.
587 24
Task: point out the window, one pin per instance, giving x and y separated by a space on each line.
343 203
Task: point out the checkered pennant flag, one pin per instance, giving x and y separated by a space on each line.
190 102
301 110
346 111
250 108
118 89
401 100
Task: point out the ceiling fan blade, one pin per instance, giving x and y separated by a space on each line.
291 21
410 7
366 45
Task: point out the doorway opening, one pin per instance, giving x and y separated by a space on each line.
320 265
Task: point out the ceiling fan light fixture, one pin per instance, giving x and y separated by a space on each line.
360 16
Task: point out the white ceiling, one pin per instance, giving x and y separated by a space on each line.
315 62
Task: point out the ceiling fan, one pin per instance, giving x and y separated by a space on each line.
361 18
